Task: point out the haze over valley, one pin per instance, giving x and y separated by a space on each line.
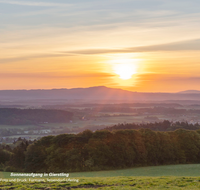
32 114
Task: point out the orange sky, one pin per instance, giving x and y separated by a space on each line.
43 49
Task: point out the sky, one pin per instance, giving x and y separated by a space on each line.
136 45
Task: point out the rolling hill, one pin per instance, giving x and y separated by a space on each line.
100 94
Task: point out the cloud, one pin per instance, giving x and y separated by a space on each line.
182 80
31 3
15 59
167 78
188 45
52 75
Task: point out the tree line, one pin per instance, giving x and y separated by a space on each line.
156 126
100 150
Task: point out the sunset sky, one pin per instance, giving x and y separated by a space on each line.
137 45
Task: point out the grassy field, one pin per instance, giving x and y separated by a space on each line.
182 177
117 183
192 170
151 171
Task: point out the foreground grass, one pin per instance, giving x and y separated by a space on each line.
118 183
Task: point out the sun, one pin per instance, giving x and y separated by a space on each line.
126 69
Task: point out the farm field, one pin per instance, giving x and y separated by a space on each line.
83 123
76 123
107 121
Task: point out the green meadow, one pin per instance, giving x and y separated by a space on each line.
191 170
150 171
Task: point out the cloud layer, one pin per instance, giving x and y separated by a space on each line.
190 45
34 3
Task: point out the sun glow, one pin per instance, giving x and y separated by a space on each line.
125 68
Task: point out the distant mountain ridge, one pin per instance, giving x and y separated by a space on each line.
189 92
101 94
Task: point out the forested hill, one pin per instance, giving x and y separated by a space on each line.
14 116
102 150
